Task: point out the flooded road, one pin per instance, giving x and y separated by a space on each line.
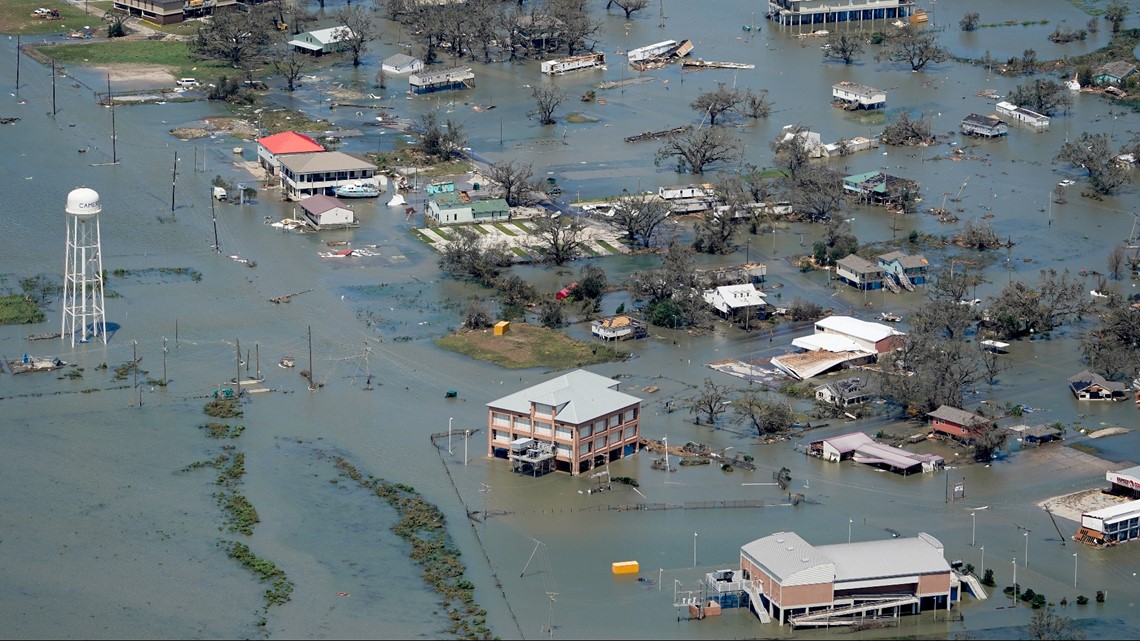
106 536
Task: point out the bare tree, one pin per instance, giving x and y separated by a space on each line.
1020 310
356 32
905 131
639 216
987 438
468 255
969 21
845 46
1041 95
291 66
915 47
719 101
557 239
1116 12
1117 262
547 98
476 316
1047 625
754 104
513 180
714 232
710 402
628 6
977 235
816 192
767 416
240 38
1114 346
1094 153
576 27
695 150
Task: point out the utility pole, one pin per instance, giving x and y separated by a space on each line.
449 434
237 379
257 355
114 135
17 64
53 110
173 181
312 384
164 350
135 366
466 433
214 216
550 617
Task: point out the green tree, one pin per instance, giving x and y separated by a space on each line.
1041 95
241 38
969 21
915 47
441 140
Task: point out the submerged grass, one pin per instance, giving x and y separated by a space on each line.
424 526
526 346
17 309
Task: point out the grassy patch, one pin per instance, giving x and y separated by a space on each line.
480 229
526 346
17 309
442 234
503 228
280 585
222 408
608 247
16 17
520 252
150 52
422 237
590 250
520 225
578 118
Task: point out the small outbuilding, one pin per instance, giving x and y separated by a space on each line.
1036 434
1113 73
327 212
402 63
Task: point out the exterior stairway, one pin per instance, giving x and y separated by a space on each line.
889 283
828 617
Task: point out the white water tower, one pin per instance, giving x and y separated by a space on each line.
83 270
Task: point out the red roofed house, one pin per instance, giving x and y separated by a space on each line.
955 422
270 148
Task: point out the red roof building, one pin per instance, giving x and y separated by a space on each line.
270 148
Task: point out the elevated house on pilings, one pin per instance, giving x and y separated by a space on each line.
877 188
792 13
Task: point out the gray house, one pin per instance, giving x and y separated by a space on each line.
984 126
402 63
322 41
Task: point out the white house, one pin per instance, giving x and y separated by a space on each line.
853 95
1022 115
812 141
402 63
616 328
322 41
327 212
449 208
873 337
673 192
730 300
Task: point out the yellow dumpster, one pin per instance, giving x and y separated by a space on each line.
502 327
625 567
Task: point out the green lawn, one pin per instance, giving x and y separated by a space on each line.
503 228
608 247
481 229
16 17
520 252
442 234
422 236
590 250
524 228
152 52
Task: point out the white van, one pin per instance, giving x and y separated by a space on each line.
186 83
220 194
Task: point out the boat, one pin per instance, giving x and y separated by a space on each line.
344 253
397 201
286 362
356 190
35 364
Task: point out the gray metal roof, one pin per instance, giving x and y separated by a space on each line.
790 559
884 558
320 203
908 261
399 60
793 561
579 397
858 264
325 161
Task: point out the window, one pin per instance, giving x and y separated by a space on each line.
585 431
543 429
499 418
630 415
584 448
563 451
564 433
502 436
522 423
599 426
542 410
629 433
615 420
600 444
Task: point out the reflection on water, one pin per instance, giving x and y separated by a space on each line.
109 527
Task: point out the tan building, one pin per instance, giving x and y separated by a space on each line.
171 11
579 419
793 581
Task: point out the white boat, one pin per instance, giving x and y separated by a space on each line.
890 318
397 201
286 362
356 190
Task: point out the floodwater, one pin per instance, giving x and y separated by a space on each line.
105 536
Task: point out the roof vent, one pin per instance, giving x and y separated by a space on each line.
805 559
779 540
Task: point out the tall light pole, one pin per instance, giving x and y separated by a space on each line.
850 522
466 433
694 549
983 561
449 435
1074 569
1015 590
1026 548
974 513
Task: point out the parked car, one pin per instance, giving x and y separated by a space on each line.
186 83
